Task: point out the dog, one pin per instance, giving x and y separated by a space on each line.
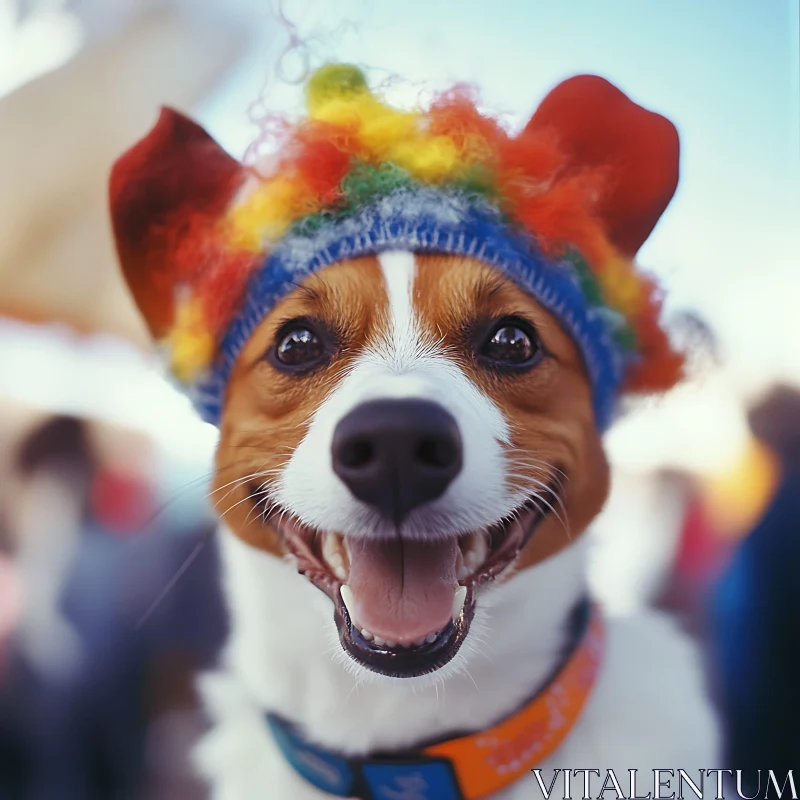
411 393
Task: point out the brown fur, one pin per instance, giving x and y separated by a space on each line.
266 411
549 408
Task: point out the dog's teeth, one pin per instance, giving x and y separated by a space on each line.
350 603
458 602
474 550
461 570
378 641
390 643
334 555
431 638
330 547
367 635
477 550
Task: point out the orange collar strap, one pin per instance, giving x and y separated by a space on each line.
468 767
488 761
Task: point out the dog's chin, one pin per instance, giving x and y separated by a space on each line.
422 642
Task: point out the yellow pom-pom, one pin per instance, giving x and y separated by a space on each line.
190 345
429 159
267 213
334 82
621 286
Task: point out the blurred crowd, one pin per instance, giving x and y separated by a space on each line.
98 657
109 597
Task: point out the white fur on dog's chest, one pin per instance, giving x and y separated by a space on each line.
647 711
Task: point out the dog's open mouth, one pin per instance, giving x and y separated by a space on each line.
403 607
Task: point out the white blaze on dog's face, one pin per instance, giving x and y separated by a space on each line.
413 426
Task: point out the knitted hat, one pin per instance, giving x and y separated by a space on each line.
209 247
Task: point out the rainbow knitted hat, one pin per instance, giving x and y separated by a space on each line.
209 246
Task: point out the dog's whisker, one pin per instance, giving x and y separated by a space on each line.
240 479
179 573
563 520
235 505
262 501
515 457
222 499
183 490
539 469
239 482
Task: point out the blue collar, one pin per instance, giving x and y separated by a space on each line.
416 777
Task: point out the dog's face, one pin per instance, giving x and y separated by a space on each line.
409 428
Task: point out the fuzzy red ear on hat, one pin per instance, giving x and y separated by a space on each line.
176 179
599 126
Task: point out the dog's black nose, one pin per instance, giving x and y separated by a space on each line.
396 455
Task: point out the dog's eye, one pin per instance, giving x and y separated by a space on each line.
299 347
512 342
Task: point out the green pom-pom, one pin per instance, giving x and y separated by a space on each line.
477 179
334 80
589 285
365 182
627 339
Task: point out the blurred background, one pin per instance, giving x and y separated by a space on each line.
108 596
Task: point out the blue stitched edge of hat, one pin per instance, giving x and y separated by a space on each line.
426 220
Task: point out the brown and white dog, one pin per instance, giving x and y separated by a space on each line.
424 432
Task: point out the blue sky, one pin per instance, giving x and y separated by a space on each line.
726 72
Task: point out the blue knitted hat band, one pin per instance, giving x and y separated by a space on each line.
428 220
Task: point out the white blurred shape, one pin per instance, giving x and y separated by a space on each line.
634 541
699 427
46 527
43 41
100 377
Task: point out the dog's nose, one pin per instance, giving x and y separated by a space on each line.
396 455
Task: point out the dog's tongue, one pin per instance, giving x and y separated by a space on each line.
402 590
